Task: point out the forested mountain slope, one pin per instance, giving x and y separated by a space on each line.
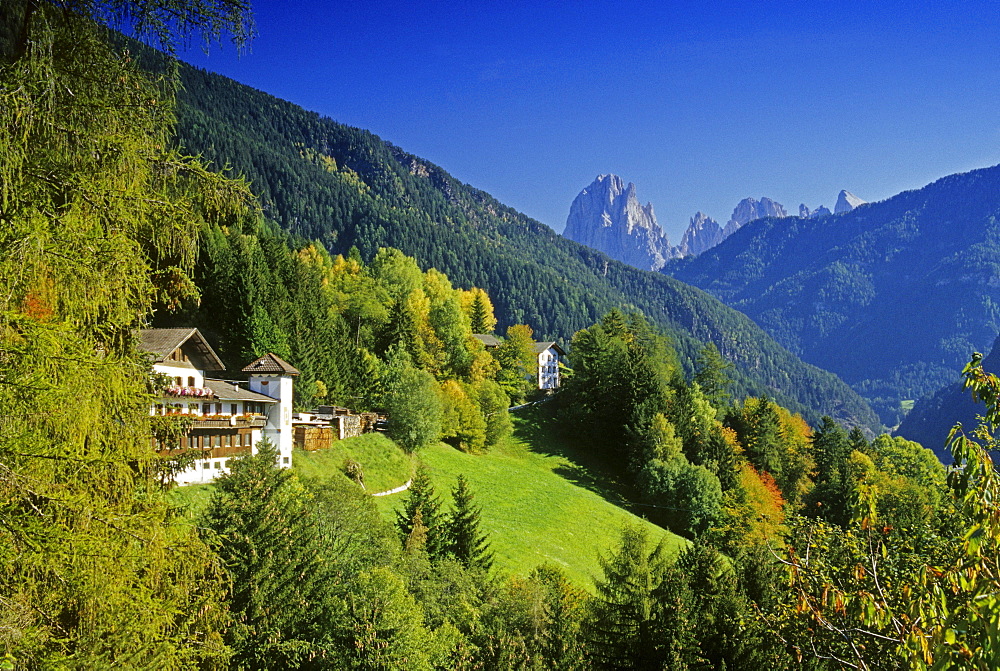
893 296
346 187
933 416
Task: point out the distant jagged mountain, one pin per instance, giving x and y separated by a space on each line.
893 296
702 234
347 188
750 209
607 216
846 202
821 211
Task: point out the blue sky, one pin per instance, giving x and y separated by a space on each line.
699 104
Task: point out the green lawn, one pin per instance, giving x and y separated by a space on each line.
384 465
541 500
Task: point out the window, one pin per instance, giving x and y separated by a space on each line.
206 408
217 465
218 408
190 381
177 381
206 465
285 461
217 440
232 408
225 440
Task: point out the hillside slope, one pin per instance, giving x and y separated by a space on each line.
892 296
346 187
933 416
540 502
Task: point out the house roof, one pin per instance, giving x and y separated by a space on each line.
540 347
227 391
271 363
488 339
162 342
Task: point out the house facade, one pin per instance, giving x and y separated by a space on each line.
227 418
548 356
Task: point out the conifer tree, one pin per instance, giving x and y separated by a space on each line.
712 376
465 541
268 539
621 627
423 508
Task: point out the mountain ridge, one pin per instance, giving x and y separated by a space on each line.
893 296
348 188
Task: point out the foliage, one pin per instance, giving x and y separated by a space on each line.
413 405
925 595
95 208
270 545
517 362
466 543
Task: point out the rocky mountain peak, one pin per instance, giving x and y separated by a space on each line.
608 216
702 234
846 202
751 209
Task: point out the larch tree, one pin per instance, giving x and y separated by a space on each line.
98 219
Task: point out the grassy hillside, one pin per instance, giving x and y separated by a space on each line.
346 187
541 500
383 464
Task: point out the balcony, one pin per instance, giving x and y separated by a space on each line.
228 421
196 392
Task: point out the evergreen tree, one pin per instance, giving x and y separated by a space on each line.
465 541
712 376
423 508
269 542
622 627
481 313
831 498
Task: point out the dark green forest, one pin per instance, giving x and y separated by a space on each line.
893 297
347 188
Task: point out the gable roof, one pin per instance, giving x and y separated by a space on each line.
488 339
271 363
227 391
162 342
540 347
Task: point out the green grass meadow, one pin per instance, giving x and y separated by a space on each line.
542 499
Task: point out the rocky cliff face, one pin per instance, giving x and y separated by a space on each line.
702 234
607 216
846 202
750 209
